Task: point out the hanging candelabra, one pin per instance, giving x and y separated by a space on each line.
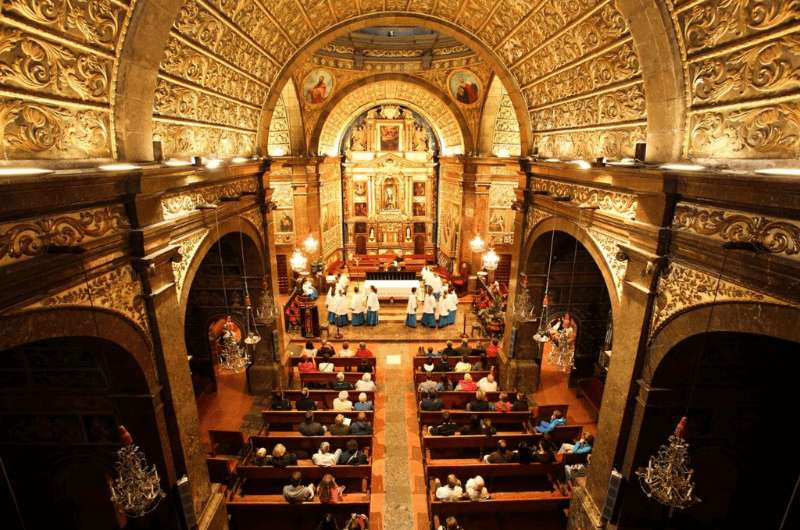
523 306
562 347
232 357
542 336
267 311
668 479
137 488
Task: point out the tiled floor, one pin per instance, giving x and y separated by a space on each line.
398 484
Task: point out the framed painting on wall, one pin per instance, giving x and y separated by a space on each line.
390 137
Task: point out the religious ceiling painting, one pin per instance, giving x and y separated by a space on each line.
389 175
317 86
464 87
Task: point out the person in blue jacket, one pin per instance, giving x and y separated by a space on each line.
581 447
556 420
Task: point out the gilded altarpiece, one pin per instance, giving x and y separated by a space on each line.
451 197
390 184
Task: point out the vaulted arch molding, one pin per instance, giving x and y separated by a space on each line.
286 135
427 100
499 131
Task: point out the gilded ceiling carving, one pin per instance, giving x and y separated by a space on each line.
613 202
609 246
743 99
187 248
611 142
416 97
26 239
681 288
532 219
255 218
173 206
179 139
57 62
778 236
119 290
279 138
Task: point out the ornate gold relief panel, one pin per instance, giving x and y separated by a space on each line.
613 202
291 20
609 246
187 248
506 135
180 204
178 101
627 104
279 140
613 143
179 140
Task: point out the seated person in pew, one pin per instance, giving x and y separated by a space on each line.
431 402
464 349
488 383
342 402
447 427
478 426
481 364
340 383
428 366
358 521
261 457
363 352
324 457
306 365
365 384
326 350
444 384
281 457
451 523
430 353
476 489
346 351
521 403
279 401
363 403
364 366
449 492
573 471
556 419
581 447
339 427
442 365
501 455
523 452
479 403
463 365
328 522
502 404
448 349
429 385
309 427
361 425
305 402
466 384
328 491
309 350
296 492
352 455
493 349
544 451
325 365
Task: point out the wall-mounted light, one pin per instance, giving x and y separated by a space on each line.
623 162
551 160
118 167
213 163
310 244
582 164
503 153
23 171
277 151
682 167
490 260
177 163
780 171
477 244
298 261
240 160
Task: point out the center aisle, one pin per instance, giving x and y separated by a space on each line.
398 494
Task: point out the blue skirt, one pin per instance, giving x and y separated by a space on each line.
444 320
411 320
358 319
341 321
428 320
331 318
372 318
451 317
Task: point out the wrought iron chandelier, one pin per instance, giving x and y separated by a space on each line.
523 306
542 336
137 488
267 311
668 479
251 328
491 260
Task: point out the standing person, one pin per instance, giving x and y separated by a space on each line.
452 306
411 309
341 310
309 290
373 306
359 307
330 305
436 285
429 309
443 310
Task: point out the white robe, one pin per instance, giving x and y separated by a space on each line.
372 302
436 284
330 301
343 282
429 306
411 308
442 307
341 305
357 303
452 302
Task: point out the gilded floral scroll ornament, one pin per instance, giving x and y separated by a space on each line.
255 218
609 246
533 218
187 248
777 236
173 206
681 288
119 290
26 239
616 203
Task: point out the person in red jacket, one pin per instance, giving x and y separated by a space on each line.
306 365
492 349
363 352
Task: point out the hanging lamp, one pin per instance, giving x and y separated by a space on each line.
541 335
562 352
251 330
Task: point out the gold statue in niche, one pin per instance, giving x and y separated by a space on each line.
389 194
358 139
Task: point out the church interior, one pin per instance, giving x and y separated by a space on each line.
399 264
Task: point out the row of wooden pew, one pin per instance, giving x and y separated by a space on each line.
514 488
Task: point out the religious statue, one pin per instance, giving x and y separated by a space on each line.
389 195
358 139
419 141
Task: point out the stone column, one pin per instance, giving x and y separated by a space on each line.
477 182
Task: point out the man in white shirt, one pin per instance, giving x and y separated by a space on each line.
324 458
346 351
451 491
411 309
365 384
487 384
342 403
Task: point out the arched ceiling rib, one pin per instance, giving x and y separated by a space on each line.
425 101
703 79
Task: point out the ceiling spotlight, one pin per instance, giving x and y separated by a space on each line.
118 167
683 167
780 171
583 164
23 171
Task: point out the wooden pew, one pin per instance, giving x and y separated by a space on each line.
324 398
253 512
462 417
478 444
420 360
227 442
328 378
455 377
220 469
290 419
502 502
305 446
338 362
458 400
544 412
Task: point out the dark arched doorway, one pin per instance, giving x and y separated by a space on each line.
61 402
576 287
736 404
